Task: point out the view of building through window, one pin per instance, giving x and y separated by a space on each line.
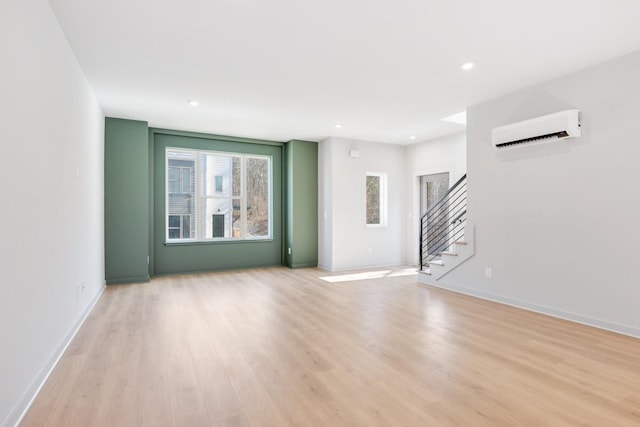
212 195
180 191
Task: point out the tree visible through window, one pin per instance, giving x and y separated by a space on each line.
229 196
375 199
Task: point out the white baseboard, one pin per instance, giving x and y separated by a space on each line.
572 317
324 267
19 411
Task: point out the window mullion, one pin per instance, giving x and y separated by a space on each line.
199 191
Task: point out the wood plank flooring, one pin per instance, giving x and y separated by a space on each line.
279 347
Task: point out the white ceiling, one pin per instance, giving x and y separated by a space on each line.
293 69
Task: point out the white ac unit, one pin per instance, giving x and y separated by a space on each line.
560 125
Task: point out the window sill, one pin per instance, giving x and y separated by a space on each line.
217 242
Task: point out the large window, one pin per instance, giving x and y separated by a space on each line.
376 199
217 196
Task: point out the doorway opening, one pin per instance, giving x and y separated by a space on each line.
432 188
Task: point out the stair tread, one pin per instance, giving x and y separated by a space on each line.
449 253
436 262
460 242
425 271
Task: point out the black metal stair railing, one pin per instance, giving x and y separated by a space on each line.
443 224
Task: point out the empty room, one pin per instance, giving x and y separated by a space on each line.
294 213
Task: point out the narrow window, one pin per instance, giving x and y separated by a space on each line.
376 199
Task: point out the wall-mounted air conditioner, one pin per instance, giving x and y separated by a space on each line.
560 125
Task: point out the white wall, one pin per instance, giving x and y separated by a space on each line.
51 221
558 222
325 204
345 241
444 154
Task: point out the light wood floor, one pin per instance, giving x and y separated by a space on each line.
276 347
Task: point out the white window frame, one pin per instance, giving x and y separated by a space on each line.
199 234
383 200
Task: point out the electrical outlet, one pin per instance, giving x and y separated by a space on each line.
488 272
289 251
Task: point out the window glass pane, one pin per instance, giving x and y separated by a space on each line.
236 171
178 159
180 203
186 180
257 176
174 174
180 198
186 226
216 169
174 180
217 217
181 165
174 221
237 219
373 199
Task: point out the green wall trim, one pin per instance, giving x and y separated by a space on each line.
151 239
126 200
303 140
301 222
134 205
122 281
157 131
218 242
307 265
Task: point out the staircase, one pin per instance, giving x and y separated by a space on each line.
446 237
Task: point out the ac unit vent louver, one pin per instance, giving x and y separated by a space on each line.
560 125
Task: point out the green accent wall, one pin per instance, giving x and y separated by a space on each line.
171 258
301 222
126 201
135 246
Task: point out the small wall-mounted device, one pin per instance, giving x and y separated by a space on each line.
354 154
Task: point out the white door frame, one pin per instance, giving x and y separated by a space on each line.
415 200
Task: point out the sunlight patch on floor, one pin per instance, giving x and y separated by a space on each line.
366 275
404 272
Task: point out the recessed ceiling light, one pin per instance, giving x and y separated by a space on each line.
412 137
467 66
193 103
459 118
338 126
